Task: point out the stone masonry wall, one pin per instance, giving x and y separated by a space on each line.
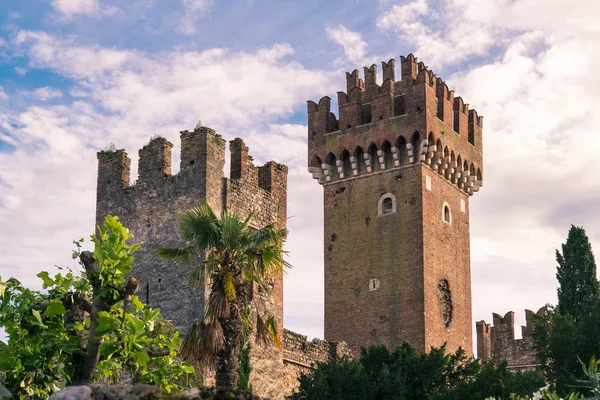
497 342
150 208
300 356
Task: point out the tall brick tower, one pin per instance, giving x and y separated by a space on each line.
397 167
150 208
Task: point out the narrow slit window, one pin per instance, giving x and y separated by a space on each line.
447 214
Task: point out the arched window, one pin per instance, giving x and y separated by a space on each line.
387 204
446 214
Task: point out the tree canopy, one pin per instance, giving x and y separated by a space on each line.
576 273
405 373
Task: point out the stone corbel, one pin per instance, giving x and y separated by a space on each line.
410 153
395 157
340 168
381 156
368 162
354 165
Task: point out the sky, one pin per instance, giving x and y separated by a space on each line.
77 75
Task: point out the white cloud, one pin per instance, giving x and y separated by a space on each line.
441 37
20 71
197 5
71 8
354 47
194 11
42 94
3 95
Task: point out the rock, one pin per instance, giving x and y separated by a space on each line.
146 392
73 393
4 392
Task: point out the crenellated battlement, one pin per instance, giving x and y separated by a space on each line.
201 174
415 120
197 149
498 341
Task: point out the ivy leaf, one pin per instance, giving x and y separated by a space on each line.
55 307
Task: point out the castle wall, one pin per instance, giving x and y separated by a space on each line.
497 342
150 208
300 357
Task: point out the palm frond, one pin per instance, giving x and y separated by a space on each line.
214 340
218 305
200 227
262 332
180 256
232 230
272 327
202 343
266 329
192 346
195 277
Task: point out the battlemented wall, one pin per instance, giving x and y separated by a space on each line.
397 156
300 356
150 207
497 342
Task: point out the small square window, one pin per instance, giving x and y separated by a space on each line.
463 205
373 284
428 182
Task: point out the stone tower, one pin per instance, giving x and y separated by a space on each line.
150 208
398 168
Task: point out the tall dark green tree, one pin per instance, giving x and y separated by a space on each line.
569 333
576 274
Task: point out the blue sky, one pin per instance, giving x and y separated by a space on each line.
76 75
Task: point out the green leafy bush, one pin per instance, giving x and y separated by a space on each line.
87 326
408 374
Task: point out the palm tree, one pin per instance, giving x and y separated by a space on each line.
232 257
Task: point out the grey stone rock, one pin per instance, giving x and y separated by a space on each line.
73 393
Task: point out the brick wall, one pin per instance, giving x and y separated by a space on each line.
413 141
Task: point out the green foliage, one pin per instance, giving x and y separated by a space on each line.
48 331
570 332
245 368
341 379
109 150
154 139
408 374
494 381
576 273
